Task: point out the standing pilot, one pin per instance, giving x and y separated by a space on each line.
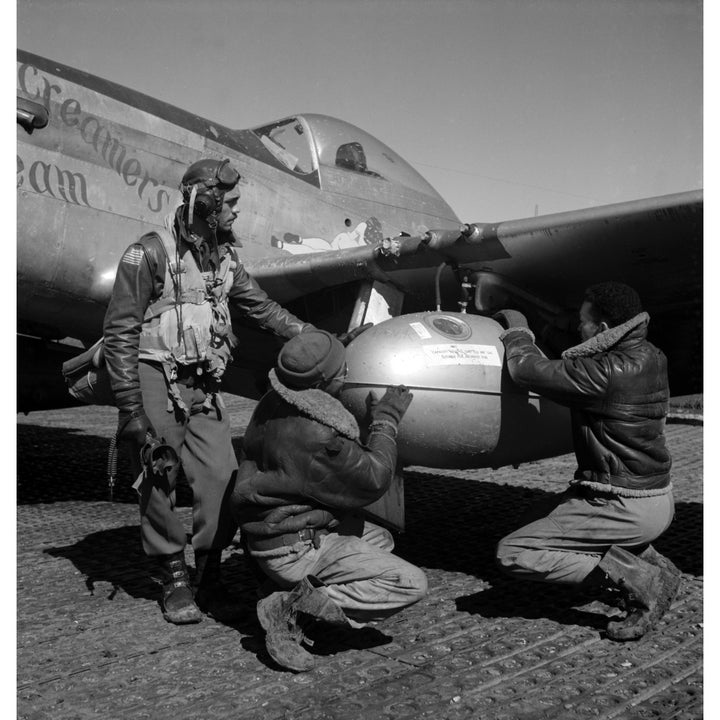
598 532
168 339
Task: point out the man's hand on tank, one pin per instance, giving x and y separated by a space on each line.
510 319
392 405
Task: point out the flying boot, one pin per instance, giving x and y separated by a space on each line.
284 615
652 556
647 591
211 596
177 596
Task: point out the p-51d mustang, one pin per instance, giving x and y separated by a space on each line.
338 228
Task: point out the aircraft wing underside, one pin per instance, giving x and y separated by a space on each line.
654 244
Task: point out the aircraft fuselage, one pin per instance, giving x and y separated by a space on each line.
106 168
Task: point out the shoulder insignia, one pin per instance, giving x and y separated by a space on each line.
133 255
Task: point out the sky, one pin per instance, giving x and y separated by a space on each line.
508 108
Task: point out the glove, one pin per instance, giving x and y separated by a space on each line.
134 427
347 337
391 406
510 319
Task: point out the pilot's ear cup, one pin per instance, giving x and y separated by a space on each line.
205 204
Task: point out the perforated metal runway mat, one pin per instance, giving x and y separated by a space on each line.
92 642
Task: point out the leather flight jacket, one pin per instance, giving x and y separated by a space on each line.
298 472
139 284
618 399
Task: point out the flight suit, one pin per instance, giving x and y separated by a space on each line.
181 399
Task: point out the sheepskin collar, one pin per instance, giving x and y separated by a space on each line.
605 340
319 406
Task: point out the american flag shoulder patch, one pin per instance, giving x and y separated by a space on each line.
133 255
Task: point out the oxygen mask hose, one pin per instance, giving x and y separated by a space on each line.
112 466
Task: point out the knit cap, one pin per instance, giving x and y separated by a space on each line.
312 357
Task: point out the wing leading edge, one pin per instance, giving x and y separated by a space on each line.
654 244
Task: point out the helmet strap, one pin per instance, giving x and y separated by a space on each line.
191 208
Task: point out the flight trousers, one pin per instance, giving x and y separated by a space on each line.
565 537
356 563
203 444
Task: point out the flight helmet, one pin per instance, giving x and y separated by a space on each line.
204 185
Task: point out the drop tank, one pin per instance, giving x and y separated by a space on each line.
466 411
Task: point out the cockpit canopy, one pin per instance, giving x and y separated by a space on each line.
306 144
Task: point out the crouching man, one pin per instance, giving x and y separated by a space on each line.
599 531
303 476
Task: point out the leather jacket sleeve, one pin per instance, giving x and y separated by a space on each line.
251 301
139 274
348 476
570 382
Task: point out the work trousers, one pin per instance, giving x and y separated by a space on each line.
565 537
356 563
203 444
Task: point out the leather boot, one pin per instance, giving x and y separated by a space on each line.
652 556
283 615
177 598
647 590
319 606
211 596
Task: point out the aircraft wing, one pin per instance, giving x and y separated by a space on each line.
654 244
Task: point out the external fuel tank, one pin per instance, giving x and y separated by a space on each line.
466 411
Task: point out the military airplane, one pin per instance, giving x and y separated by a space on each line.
341 230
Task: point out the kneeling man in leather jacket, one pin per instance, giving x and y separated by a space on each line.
598 532
304 477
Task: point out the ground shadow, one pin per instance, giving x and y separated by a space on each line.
455 524
65 464
533 601
115 556
112 556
